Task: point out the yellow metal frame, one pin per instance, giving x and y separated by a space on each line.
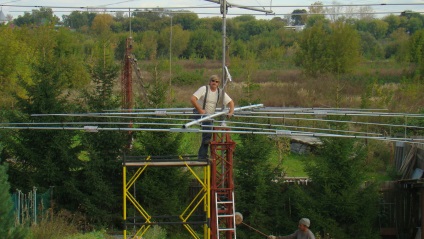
203 196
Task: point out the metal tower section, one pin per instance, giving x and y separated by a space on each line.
126 78
196 225
222 186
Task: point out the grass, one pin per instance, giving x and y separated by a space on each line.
294 165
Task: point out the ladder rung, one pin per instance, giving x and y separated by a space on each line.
224 202
226 215
226 229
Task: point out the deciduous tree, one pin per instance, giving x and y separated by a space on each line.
334 49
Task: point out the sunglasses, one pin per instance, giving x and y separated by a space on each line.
217 81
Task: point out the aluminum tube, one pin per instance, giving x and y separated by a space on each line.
220 113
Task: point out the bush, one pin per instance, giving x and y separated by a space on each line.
188 77
156 232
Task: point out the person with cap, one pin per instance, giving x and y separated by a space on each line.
302 233
205 100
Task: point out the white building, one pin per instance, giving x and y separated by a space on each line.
3 19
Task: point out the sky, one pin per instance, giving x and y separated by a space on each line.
205 8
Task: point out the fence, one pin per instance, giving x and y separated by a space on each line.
30 206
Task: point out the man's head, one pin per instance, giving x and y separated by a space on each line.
304 224
214 81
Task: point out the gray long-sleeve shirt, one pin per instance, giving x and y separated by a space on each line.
298 234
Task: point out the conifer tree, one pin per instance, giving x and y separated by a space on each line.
337 202
256 194
7 219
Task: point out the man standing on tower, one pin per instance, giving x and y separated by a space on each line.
205 101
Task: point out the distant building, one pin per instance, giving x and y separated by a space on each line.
3 19
297 28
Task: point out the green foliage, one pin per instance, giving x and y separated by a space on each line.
46 156
43 66
77 19
393 23
344 45
175 42
337 202
156 232
323 50
158 90
313 50
157 185
376 95
416 50
299 17
8 230
247 69
186 20
398 46
101 149
15 65
253 180
204 43
104 73
188 77
43 16
371 48
90 235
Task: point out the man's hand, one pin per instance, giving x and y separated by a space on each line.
272 237
229 115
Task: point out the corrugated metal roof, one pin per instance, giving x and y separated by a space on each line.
306 140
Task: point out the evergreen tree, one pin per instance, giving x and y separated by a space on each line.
46 157
7 219
98 181
337 202
256 195
158 185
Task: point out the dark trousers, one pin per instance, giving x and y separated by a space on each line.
206 139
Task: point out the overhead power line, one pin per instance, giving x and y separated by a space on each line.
106 9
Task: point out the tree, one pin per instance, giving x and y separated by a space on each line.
337 201
46 157
371 48
378 28
335 11
96 179
255 191
102 24
15 64
299 17
328 50
344 48
312 53
77 20
317 8
187 21
204 44
398 45
393 23
7 219
416 50
147 45
180 39
44 16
